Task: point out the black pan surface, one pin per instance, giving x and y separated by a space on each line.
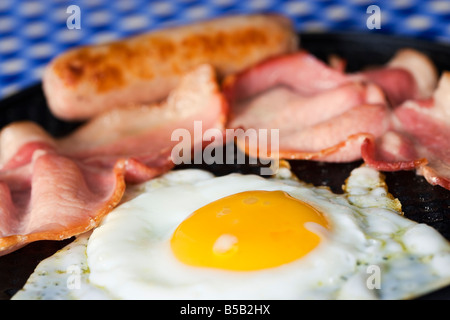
420 201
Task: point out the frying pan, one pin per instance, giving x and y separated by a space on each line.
421 202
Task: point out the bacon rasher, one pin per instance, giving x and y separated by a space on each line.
52 189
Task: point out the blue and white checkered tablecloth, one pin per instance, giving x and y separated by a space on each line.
32 32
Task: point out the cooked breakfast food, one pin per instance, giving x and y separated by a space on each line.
86 81
52 189
110 182
246 237
395 116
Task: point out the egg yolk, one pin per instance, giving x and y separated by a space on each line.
251 230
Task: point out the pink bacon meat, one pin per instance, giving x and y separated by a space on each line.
53 189
390 116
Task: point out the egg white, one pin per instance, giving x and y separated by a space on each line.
129 256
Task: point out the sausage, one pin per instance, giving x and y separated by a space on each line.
88 80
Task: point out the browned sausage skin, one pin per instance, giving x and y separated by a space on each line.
86 81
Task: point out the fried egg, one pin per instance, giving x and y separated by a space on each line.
191 235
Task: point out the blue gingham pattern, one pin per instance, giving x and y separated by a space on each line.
32 32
